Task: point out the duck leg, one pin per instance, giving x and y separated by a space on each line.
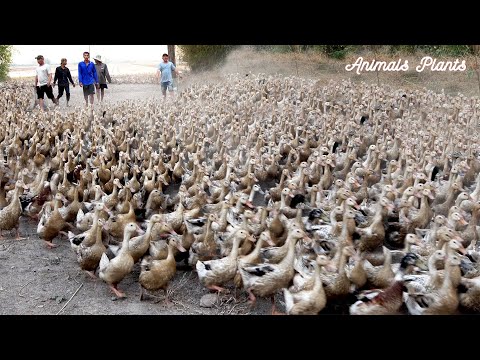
18 235
167 301
251 298
49 244
91 274
117 292
217 288
274 310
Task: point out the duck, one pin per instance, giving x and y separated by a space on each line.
266 279
49 227
410 239
253 258
470 297
443 301
156 274
386 301
69 212
337 284
116 224
422 283
357 273
113 271
204 247
374 234
139 245
158 244
308 302
380 276
89 247
214 273
10 214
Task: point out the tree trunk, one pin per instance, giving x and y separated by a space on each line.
171 56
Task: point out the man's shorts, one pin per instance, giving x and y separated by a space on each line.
167 84
44 89
88 89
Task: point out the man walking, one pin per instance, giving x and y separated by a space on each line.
63 76
87 78
43 81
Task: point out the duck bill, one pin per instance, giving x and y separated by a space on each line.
181 248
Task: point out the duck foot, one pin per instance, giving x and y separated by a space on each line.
168 303
91 274
216 288
49 244
117 292
251 299
274 309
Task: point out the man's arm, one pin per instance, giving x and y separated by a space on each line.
95 75
178 73
69 76
80 77
49 77
36 80
56 77
107 74
174 68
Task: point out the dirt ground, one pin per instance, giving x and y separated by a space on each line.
37 280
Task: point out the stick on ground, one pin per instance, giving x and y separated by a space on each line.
75 293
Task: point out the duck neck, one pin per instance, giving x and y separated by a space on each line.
472 224
170 253
258 246
432 268
289 257
235 248
126 238
98 233
447 280
148 232
252 194
318 285
341 263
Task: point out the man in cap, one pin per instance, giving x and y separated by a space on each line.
103 76
43 81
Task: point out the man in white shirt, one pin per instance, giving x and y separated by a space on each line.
43 81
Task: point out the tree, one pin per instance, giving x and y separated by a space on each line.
5 60
171 55
205 57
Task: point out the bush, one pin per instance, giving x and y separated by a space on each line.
205 57
5 60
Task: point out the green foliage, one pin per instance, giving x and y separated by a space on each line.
446 50
5 60
406 49
434 50
205 57
340 51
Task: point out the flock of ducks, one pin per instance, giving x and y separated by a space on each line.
340 194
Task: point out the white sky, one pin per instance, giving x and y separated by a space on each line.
25 54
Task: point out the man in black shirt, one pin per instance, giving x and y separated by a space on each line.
62 74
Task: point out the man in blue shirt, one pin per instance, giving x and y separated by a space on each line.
165 68
87 77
